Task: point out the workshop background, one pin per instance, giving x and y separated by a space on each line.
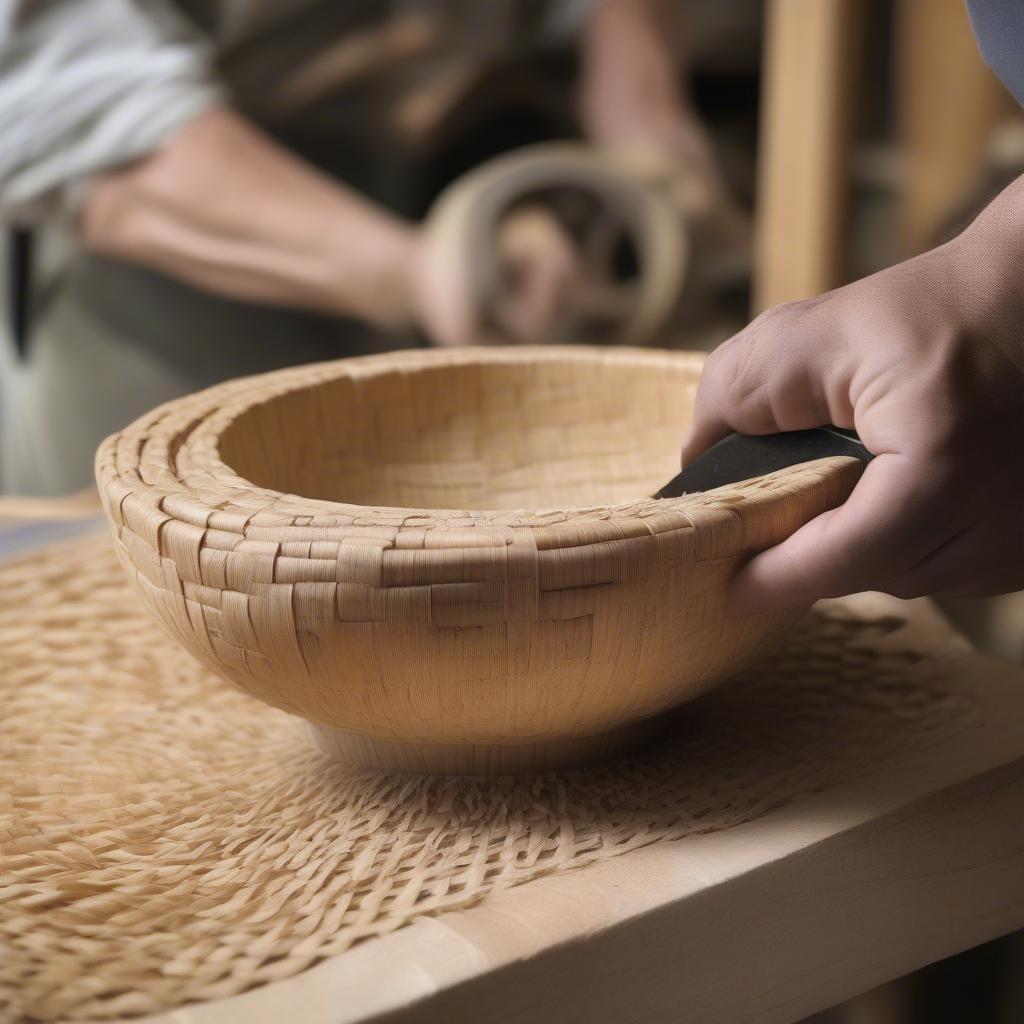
847 135
844 138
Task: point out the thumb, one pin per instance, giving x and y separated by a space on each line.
768 378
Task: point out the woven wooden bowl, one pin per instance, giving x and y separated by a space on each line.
307 535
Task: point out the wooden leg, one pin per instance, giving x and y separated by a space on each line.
948 103
810 65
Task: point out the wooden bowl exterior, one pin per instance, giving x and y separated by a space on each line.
447 640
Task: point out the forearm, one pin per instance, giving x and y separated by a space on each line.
628 65
225 208
992 248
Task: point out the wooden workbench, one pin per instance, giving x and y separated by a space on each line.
848 880
768 921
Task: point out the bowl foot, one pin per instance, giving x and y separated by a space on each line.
482 759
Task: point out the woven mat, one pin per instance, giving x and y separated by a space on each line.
166 839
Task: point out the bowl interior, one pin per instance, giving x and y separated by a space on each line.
489 435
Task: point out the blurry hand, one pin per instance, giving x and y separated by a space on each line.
633 99
926 360
540 270
439 295
659 133
634 105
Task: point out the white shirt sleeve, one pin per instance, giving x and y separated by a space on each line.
89 84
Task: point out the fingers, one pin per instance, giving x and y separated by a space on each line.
534 301
772 376
890 522
540 267
441 294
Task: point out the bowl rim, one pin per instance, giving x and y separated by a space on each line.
174 450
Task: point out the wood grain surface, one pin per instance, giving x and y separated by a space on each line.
919 858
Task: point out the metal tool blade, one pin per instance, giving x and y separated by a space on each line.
742 456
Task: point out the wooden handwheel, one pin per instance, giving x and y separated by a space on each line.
630 239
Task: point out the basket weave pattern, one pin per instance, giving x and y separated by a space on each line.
164 839
237 515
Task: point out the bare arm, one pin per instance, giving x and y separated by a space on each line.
629 69
633 84
225 208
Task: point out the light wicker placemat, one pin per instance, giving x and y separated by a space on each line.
166 839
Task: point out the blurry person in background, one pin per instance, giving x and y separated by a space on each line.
230 178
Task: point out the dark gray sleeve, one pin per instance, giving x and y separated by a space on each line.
999 29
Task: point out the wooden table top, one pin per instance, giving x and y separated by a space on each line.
843 886
808 905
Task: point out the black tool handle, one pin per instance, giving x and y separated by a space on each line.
742 456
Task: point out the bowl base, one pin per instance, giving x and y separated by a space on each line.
481 759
